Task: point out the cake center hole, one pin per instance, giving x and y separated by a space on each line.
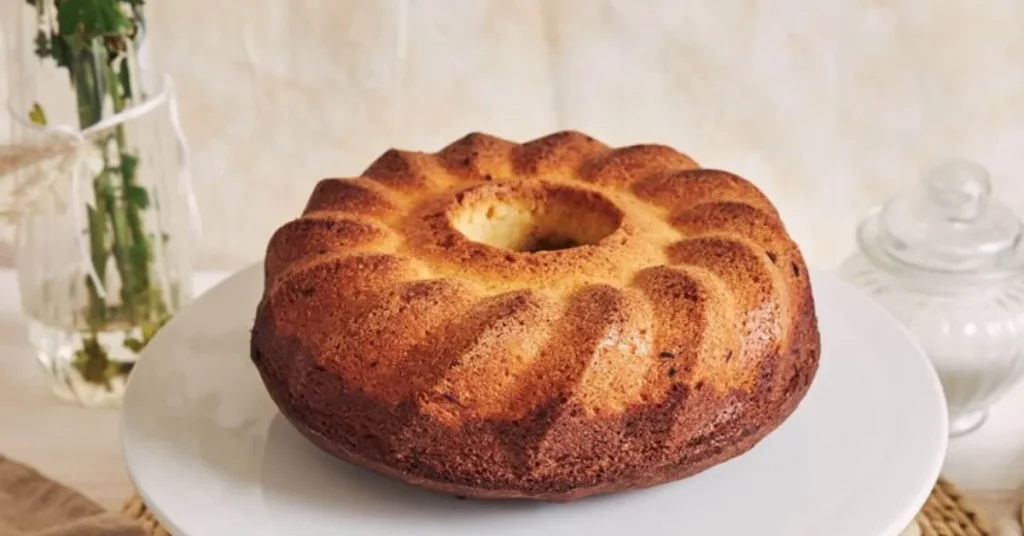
546 220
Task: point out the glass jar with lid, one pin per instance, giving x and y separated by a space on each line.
946 259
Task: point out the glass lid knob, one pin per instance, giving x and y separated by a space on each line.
959 191
951 222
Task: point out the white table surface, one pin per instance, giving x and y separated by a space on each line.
80 447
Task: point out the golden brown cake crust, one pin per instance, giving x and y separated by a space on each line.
547 320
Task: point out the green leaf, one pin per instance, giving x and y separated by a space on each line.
150 329
91 361
43 46
138 196
129 163
61 52
37 115
139 254
124 368
88 19
135 345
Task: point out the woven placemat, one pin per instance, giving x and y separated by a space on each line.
947 513
136 509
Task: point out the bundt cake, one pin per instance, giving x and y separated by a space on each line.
546 320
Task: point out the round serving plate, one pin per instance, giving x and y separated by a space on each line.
210 454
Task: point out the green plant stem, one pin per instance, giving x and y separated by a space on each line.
89 106
131 243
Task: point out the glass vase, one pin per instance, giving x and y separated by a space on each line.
102 226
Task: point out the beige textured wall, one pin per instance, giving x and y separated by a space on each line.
828 106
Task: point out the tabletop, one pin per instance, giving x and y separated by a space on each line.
80 447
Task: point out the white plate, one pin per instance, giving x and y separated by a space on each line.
210 454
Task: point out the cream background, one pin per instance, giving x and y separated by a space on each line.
829 107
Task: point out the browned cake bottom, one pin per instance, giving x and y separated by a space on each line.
555 455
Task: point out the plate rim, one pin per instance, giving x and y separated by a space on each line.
913 505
